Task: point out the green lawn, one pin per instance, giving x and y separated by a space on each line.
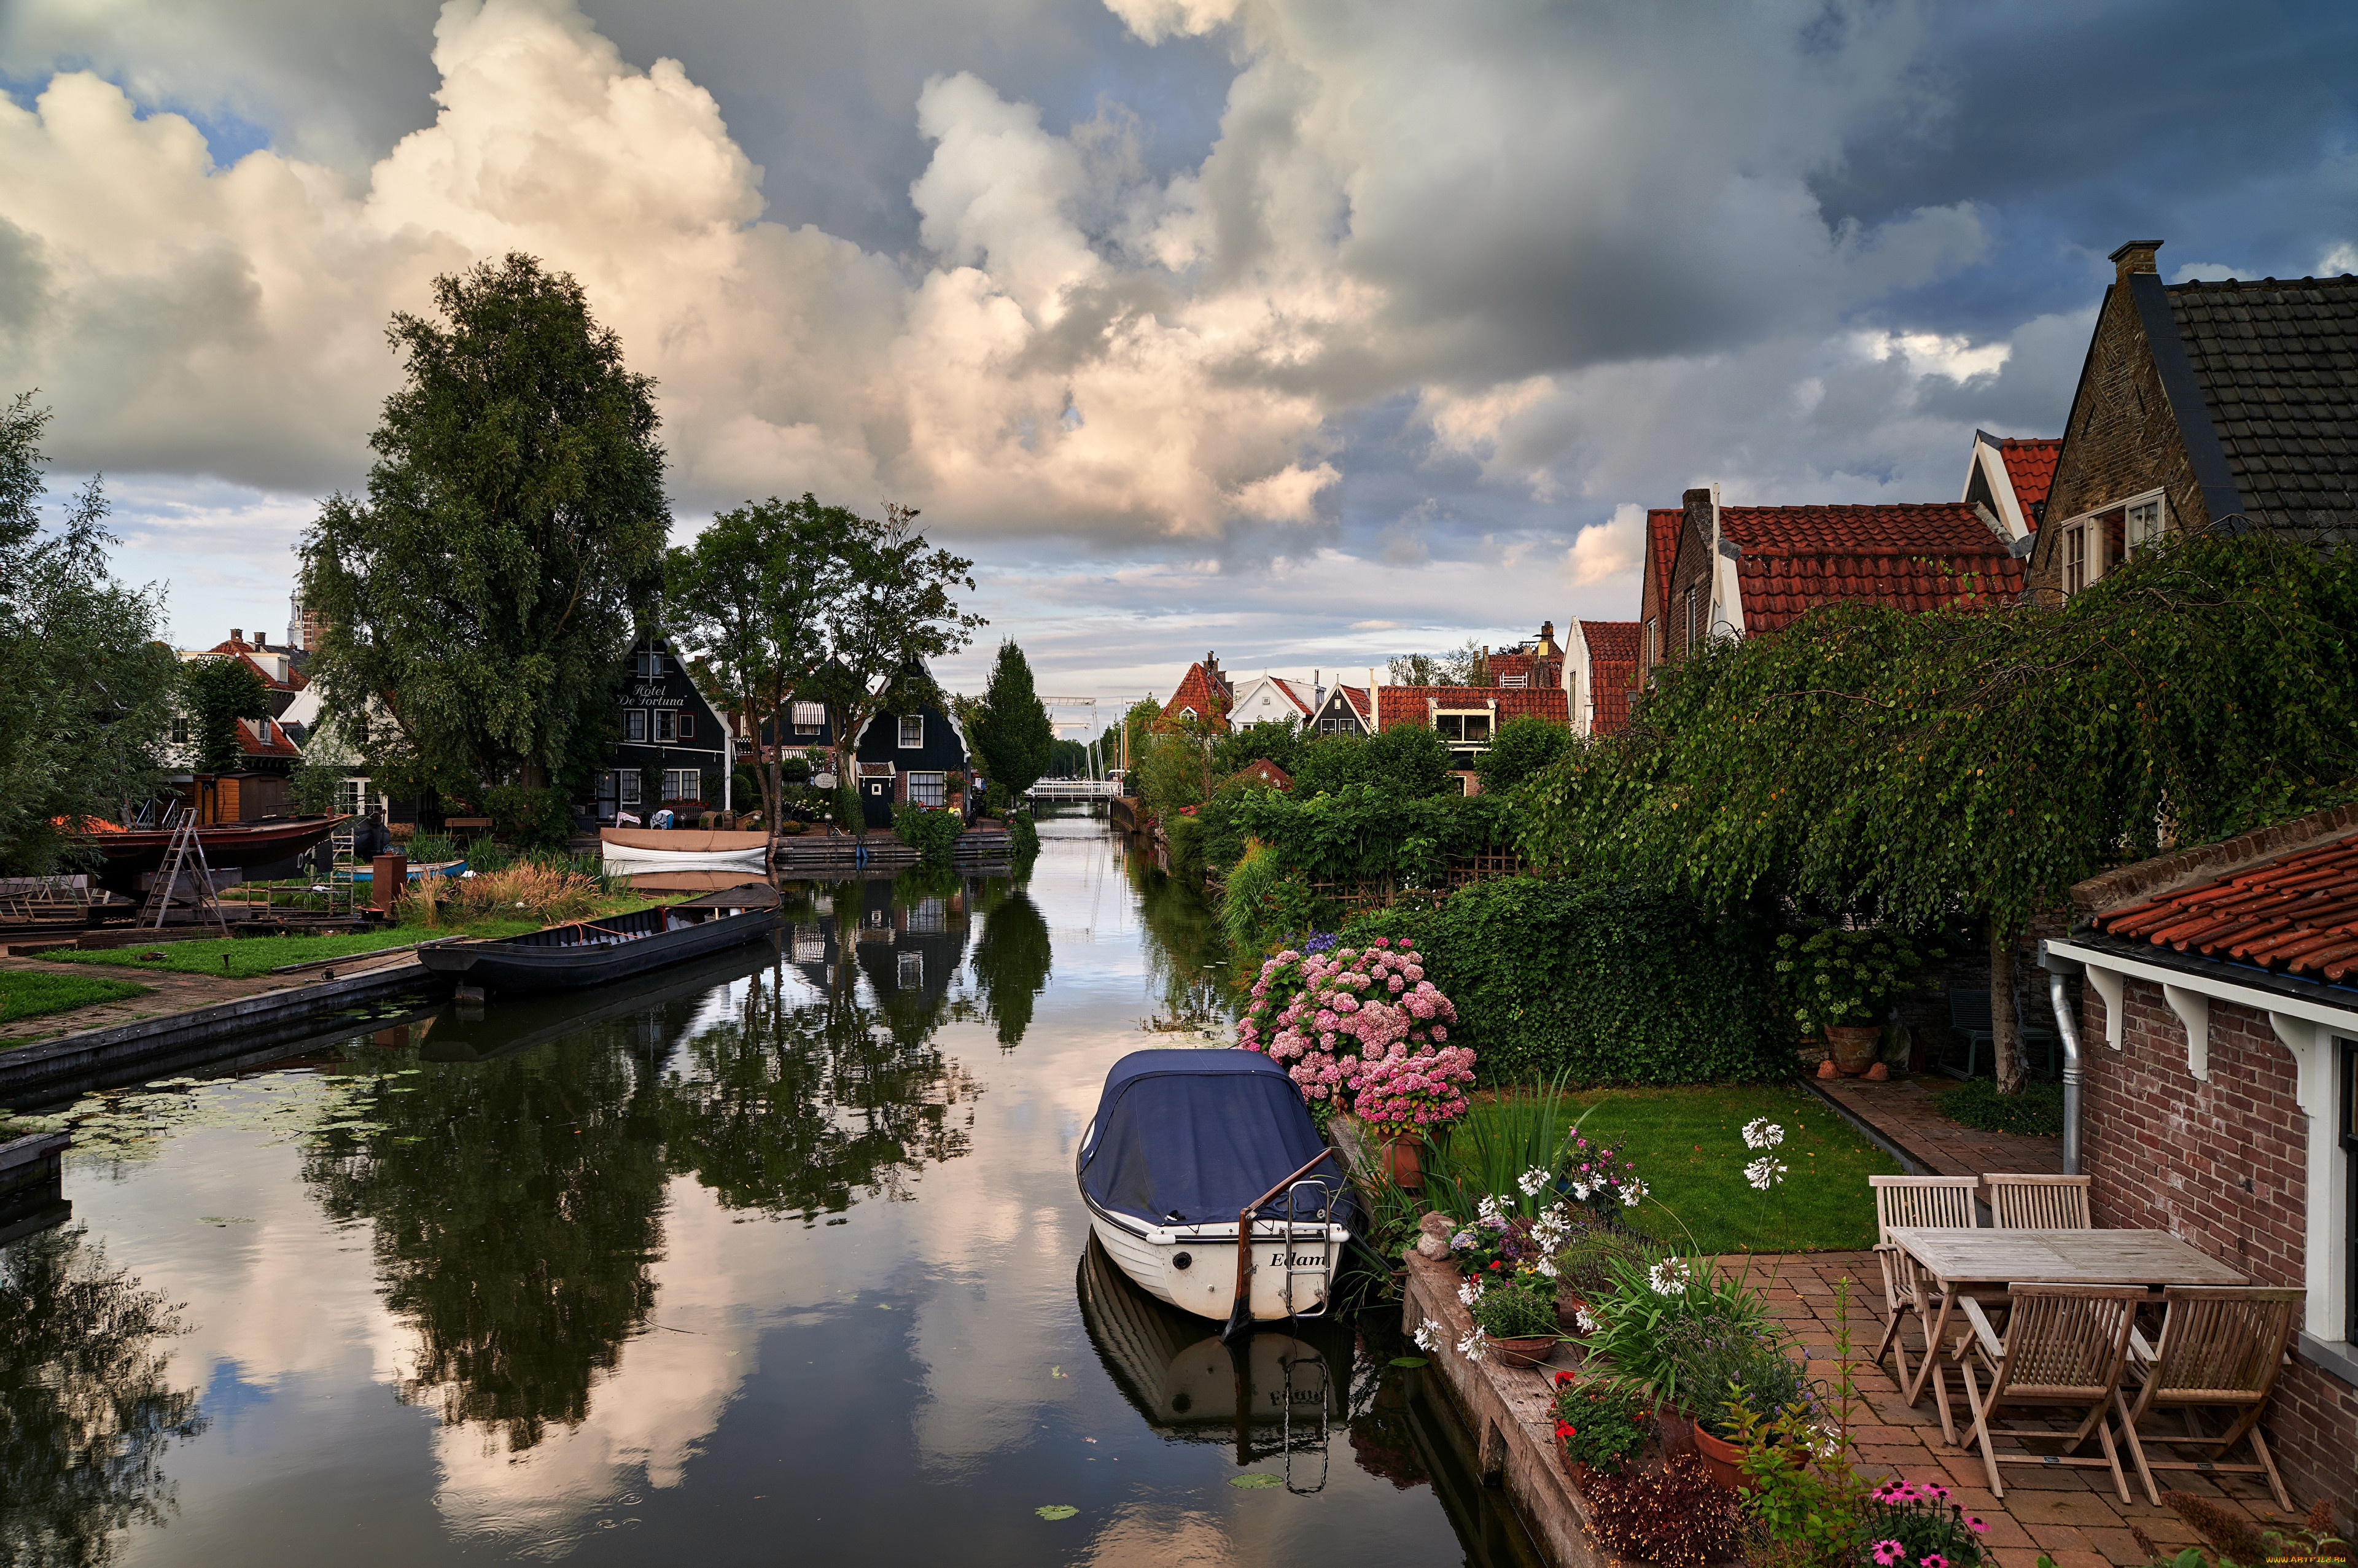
27 994
244 957
1689 1147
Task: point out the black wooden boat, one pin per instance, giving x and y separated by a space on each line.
592 952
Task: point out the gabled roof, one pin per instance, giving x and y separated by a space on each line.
1200 694
1407 703
1792 560
2278 366
1353 697
251 743
1611 640
1267 771
2030 464
2295 916
1612 672
1662 525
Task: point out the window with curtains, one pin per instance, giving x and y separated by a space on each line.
629 778
926 789
667 725
913 731
635 724
680 784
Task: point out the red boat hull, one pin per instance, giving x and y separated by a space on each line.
125 857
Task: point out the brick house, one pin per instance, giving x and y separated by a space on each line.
1204 693
1664 525
1600 676
1466 716
1745 571
1538 662
2218 1013
2198 404
2008 477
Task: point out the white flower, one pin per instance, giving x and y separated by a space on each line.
1546 1266
1587 1321
1427 1338
1762 1134
1469 1292
1668 1277
1632 1193
1581 1189
1474 1345
1533 1180
1764 1173
1490 1208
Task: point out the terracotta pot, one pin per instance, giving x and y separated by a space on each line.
1878 1073
1581 1474
1677 1432
1826 1069
1404 1161
1853 1046
1723 1461
1526 1350
1567 1313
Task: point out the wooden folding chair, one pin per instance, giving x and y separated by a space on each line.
1929 1202
2221 1349
2063 1352
2039 1203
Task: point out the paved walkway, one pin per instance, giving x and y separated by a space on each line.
1906 1112
169 991
2074 1516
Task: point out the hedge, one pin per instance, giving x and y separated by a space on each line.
1605 984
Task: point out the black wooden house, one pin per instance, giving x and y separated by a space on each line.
907 757
675 749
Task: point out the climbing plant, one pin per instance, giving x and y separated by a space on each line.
1915 766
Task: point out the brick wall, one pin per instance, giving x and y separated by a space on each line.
1690 571
2223 1165
2122 440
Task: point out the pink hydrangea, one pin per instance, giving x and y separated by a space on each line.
1325 1014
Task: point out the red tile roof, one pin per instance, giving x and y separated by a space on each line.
1406 704
1612 673
252 745
1356 696
1267 771
1795 558
1297 697
2030 465
1662 524
1611 640
239 648
2297 915
1199 691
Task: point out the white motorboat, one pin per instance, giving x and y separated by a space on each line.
1184 1146
637 851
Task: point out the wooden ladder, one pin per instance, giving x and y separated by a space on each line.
186 847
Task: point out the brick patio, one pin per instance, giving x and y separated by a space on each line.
1906 1113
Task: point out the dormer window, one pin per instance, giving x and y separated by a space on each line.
1471 729
913 731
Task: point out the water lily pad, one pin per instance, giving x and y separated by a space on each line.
1410 1361
1255 1481
1057 1511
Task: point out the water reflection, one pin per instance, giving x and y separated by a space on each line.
1012 959
1188 952
87 1407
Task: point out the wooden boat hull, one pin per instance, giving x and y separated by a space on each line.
589 953
125 857
630 850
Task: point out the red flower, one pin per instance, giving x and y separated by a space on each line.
1563 1380
1565 1429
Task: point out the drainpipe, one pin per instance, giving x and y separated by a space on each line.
2074 1074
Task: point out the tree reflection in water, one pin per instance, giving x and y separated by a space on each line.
797 1107
86 1410
1187 952
1012 957
516 1205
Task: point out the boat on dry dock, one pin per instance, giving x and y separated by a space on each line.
1208 1184
632 851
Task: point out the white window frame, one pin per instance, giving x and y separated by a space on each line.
2156 505
907 721
807 718
1459 739
629 779
909 972
666 727
635 724
682 784
928 790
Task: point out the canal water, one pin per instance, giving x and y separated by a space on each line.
778 1260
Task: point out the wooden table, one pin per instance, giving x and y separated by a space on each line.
1961 1261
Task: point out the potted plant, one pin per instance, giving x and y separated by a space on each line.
1841 983
1601 1426
1402 1093
1725 1375
1517 1318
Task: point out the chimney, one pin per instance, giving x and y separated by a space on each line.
261 641
237 633
2134 257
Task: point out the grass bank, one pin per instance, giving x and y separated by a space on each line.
1688 1144
27 994
243 958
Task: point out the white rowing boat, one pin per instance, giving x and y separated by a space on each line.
636 852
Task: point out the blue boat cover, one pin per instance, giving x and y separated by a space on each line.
1191 1137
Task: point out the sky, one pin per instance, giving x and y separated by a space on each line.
1306 332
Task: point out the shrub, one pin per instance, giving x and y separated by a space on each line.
1605 984
930 833
1262 895
530 818
1907 1524
2034 1111
1523 745
1516 1310
529 889
1834 977
1025 836
1340 1010
1657 1312
1407 1091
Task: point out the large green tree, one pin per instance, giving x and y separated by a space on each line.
487 586
1011 731
896 611
85 688
217 692
753 595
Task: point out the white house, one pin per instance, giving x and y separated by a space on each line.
1265 699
